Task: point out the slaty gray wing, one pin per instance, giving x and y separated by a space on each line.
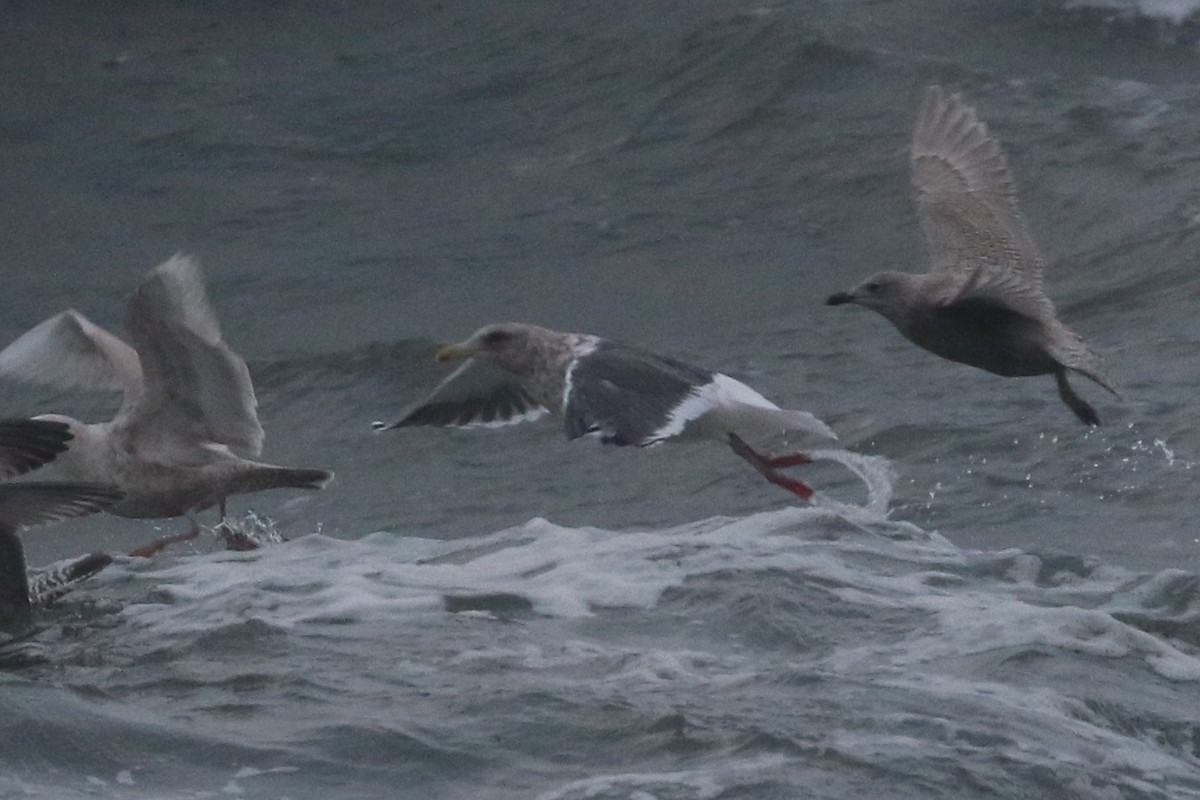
477 394
628 396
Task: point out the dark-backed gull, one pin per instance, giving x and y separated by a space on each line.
24 445
188 401
619 394
982 303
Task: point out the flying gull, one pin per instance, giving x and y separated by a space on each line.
24 445
982 303
600 388
187 430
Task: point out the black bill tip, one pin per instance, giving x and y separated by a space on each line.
839 299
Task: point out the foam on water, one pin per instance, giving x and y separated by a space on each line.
561 571
782 644
1175 12
698 784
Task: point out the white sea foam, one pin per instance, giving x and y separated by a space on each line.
973 622
877 474
906 637
702 783
561 571
1173 11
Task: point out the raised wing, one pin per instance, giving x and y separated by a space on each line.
27 444
477 394
197 388
628 396
967 206
69 350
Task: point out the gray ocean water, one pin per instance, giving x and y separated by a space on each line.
986 599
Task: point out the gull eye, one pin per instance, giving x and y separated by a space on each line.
873 287
496 338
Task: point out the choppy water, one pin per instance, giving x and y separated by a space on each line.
991 602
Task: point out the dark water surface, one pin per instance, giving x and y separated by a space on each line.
504 614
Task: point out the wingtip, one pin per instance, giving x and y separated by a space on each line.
180 260
379 426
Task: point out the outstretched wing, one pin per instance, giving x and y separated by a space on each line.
477 394
197 388
967 206
40 502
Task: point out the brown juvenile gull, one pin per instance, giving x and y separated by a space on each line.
188 423
24 445
982 303
619 394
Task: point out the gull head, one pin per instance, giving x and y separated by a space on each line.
517 347
892 294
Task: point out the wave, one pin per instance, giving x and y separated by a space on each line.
1175 12
783 640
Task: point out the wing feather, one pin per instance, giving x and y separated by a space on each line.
38 503
197 387
477 394
68 350
27 444
30 503
967 206
632 397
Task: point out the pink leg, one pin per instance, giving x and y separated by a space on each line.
767 467
160 544
792 460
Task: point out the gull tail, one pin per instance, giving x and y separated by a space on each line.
794 420
753 420
1069 349
50 585
267 477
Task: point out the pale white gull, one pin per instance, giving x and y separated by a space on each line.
619 394
982 303
187 430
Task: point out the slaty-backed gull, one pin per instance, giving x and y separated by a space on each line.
983 302
619 394
25 445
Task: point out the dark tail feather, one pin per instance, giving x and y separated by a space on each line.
286 478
